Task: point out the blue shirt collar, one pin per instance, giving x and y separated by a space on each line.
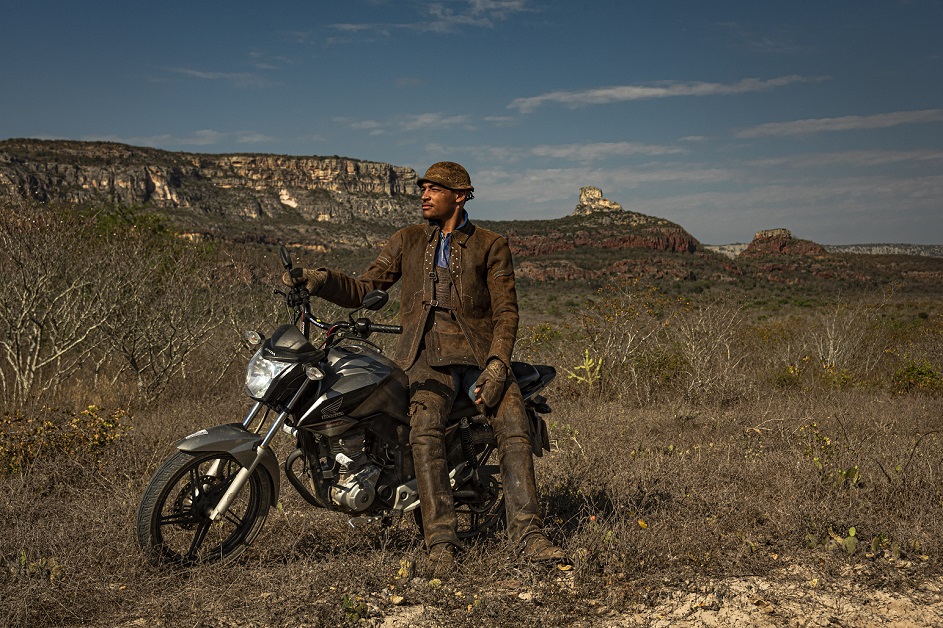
443 252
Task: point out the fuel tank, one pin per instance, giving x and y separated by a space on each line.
359 383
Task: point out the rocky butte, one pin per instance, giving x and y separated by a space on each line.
780 241
599 222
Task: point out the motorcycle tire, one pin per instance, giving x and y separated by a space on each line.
479 506
173 524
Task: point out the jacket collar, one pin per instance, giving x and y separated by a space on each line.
459 236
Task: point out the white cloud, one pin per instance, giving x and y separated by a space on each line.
237 79
203 137
574 152
438 17
433 121
850 158
845 123
555 185
663 89
601 150
501 120
410 123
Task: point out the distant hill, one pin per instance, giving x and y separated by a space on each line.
229 196
343 209
928 250
322 201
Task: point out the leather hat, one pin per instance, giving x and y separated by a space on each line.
448 174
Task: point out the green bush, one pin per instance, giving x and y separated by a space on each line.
25 435
918 375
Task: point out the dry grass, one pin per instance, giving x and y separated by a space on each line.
643 500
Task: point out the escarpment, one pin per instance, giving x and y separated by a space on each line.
207 191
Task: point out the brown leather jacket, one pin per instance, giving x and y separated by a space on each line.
481 271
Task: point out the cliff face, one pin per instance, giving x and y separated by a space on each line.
202 190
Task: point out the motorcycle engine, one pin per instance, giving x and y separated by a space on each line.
355 488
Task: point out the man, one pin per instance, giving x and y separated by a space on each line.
459 315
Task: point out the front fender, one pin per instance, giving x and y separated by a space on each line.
236 440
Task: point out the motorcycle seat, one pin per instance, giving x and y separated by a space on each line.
524 374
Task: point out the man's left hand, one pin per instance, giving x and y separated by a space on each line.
490 384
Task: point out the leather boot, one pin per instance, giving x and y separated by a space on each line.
442 560
517 465
431 397
538 548
439 521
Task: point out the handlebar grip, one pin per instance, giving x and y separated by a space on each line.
319 323
386 329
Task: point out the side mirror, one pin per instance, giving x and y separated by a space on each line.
375 299
286 259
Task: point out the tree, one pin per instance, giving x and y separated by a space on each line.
54 276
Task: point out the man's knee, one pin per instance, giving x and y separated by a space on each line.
510 420
426 418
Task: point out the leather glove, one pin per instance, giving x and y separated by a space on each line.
313 280
490 384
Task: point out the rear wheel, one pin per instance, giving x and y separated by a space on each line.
173 523
479 496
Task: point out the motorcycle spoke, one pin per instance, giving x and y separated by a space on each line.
198 537
187 517
233 519
194 483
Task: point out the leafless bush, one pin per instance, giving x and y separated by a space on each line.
843 337
56 291
623 332
95 295
169 308
707 337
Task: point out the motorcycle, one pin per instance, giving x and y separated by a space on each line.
346 406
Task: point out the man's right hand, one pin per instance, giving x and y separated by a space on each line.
313 280
489 387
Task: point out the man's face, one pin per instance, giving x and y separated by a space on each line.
439 203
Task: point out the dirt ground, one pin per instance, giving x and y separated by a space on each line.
747 601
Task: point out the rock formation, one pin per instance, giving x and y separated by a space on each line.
197 190
780 241
592 201
599 223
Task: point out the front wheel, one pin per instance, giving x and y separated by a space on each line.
173 523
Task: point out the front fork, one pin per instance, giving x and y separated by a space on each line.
261 451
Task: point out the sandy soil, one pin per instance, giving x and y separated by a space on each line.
748 601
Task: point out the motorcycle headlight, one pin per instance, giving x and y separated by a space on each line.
261 373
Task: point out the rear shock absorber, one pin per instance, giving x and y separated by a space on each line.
464 432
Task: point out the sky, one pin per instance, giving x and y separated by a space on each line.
823 117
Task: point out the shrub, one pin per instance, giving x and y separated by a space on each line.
25 436
623 329
918 375
706 338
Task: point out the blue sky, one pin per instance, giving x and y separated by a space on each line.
726 117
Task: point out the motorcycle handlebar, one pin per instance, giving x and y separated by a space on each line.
386 329
365 324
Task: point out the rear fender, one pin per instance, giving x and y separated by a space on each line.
236 440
